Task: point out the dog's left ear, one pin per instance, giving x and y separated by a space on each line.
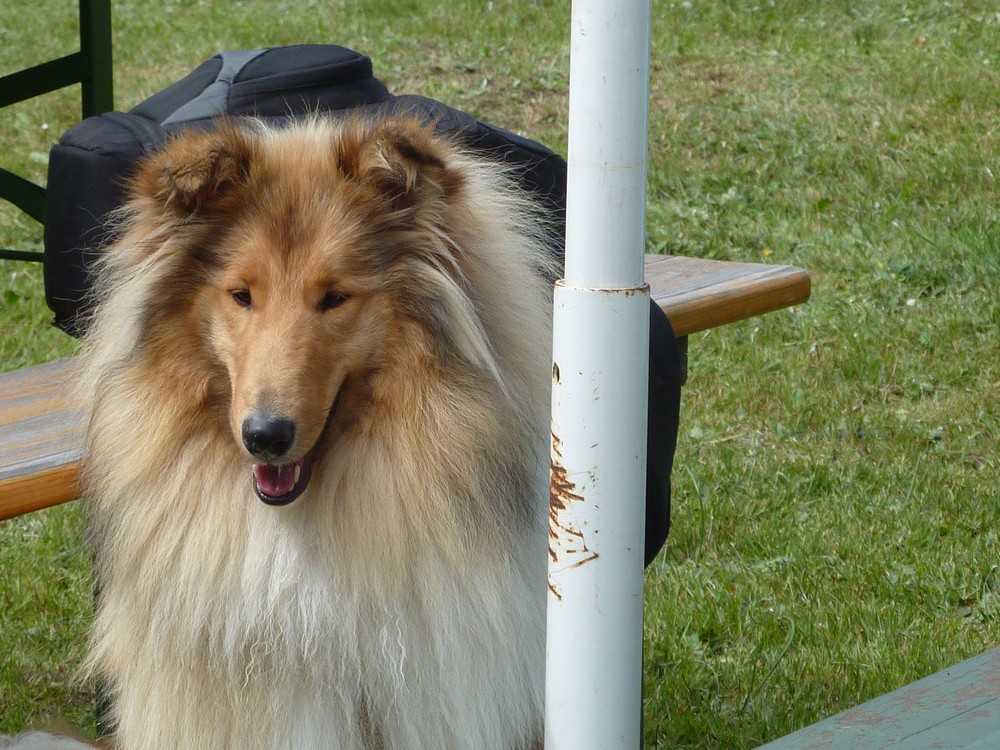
403 162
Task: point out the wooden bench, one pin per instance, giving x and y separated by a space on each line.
41 432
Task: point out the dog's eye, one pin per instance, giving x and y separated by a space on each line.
331 300
242 297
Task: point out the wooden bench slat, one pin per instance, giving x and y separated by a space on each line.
701 294
40 454
35 391
44 489
40 443
41 434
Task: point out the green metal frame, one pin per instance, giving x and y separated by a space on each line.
92 68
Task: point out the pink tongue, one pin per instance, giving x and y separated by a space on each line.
275 480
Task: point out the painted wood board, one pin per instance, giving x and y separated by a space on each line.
700 294
41 436
957 708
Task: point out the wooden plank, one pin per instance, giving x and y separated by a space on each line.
41 438
958 707
36 391
26 494
700 294
41 433
40 443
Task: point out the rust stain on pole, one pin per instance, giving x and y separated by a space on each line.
567 545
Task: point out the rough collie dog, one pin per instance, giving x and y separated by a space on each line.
318 392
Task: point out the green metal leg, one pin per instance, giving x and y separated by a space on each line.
97 83
96 50
26 195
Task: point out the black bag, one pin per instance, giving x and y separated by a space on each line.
90 165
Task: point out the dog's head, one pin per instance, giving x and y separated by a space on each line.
306 264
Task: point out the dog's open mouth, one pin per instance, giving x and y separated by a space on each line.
280 485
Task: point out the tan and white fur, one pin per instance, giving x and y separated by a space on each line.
384 292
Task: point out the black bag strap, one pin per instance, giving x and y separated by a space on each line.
274 82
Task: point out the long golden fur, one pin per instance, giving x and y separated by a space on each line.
384 293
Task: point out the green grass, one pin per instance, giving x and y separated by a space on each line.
836 484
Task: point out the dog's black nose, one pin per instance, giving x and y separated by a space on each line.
268 437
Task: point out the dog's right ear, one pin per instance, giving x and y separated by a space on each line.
196 170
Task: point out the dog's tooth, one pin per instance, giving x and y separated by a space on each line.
298 472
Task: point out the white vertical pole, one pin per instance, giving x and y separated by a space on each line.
593 698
